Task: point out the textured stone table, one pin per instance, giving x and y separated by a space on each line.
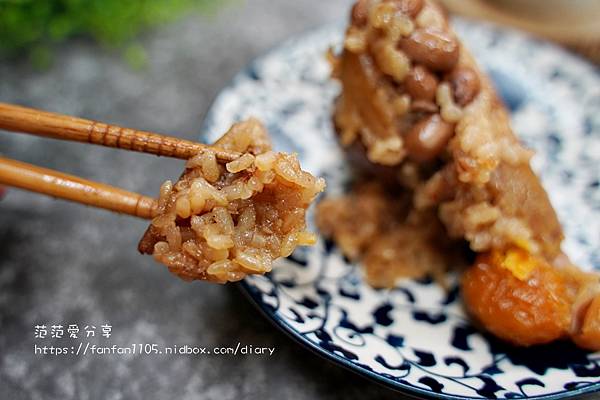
64 263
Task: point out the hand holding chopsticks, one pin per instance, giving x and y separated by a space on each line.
46 181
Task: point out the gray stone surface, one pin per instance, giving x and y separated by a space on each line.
64 263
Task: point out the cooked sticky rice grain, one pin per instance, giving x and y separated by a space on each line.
225 270
246 192
210 167
198 222
254 184
273 243
288 167
197 202
512 153
480 214
243 238
173 237
234 191
394 24
450 111
253 261
515 231
388 151
221 267
215 238
265 161
306 238
200 185
320 185
164 194
194 162
207 161
163 220
191 248
430 18
214 254
240 164
220 241
400 25
288 244
239 190
401 104
235 276
318 188
223 219
259 240
183 207
266 177
161 247
180 186
355 40
381 15
392 61
247 219
237 139
479 241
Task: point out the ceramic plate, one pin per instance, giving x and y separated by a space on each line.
416 338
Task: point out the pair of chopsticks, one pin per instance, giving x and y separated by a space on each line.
56 126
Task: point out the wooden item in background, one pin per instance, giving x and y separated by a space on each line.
573 23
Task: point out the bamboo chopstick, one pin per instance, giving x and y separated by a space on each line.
68 187
57 126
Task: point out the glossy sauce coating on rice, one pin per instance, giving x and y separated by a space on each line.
417 114
223 221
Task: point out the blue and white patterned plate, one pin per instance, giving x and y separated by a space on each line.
416 338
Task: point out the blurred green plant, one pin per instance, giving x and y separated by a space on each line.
31 27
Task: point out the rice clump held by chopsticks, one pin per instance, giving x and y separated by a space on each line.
223 221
